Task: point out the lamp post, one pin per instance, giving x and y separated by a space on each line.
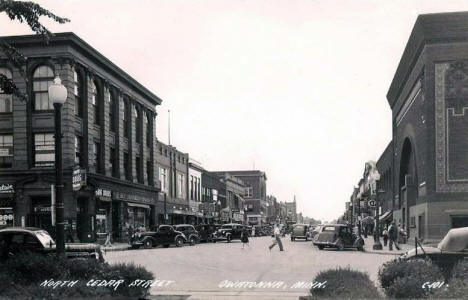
58 96
165 208
377 245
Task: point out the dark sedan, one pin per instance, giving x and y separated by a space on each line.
338 236
165 235
14 240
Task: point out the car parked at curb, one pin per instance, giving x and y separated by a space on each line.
300 231
207 231
450 250
190 233
338 236
229 232
14 240
165 235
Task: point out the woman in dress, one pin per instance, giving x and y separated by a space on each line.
245 237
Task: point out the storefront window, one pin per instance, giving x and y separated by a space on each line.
101 224
6 150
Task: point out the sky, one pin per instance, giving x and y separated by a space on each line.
295 88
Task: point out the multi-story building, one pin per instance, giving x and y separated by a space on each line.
291 213
195 190
232 205
211 197
255 194
173 206
110 175
428 97
272 210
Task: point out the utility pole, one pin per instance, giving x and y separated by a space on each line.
169 126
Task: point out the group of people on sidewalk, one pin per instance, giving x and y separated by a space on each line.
393 235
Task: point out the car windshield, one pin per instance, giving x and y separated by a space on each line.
328 228
299 226
44 237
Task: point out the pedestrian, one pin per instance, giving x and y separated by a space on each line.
69 234
401 235
253 231
245 237
385 236
277 240
393 235
108 240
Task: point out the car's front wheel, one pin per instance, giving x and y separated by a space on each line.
228 238
320 247
148 244
192 240
179 242
340 245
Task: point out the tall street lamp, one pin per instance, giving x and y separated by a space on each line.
58 96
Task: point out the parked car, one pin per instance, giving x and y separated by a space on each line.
451 249
14 240
165 235
229 232
338 236
300 231
314 230
206 232
190 233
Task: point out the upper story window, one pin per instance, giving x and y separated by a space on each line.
138 170
149 172
95 101
249 192
112 112
78 92
78 150
6 100
163 179
44 149
126 166
43 76
126 116
181 186
97 156
6 150
148 129
138 129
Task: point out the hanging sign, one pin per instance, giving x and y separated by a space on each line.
6 189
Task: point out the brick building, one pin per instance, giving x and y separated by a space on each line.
429 99
255 195
232 205
173 170
211 197
108 141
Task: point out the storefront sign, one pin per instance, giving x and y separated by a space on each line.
103 194
79 179
133 198
6 216
6 189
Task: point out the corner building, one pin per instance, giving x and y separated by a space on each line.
108 124
429 101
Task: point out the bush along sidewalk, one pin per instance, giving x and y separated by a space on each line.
33 276
457 285
409 279
344 283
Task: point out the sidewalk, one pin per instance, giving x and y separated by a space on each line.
369 242
116 247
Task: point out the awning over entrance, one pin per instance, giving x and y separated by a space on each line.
138 205
386 216
367 220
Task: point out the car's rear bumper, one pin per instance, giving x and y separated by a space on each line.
325 244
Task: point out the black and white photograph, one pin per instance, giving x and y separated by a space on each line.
233 149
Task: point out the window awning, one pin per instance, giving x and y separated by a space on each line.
138 205
239 196
386 216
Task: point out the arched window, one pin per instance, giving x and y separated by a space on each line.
95 100
43 76
78 92
6 100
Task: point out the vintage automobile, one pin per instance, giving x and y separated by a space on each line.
314 230
338 236
190 233
300 231
164 235
451 249
229 232
206 232
14 240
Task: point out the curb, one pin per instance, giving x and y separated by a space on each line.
116 249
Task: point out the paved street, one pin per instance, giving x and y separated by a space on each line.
199 270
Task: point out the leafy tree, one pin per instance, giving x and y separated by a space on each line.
23 12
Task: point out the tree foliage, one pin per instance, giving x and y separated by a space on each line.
23 12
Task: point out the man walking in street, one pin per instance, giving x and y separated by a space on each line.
392 236
277 240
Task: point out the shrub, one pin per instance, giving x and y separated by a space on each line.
21 277
405 279
344 283
456 288
460 270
